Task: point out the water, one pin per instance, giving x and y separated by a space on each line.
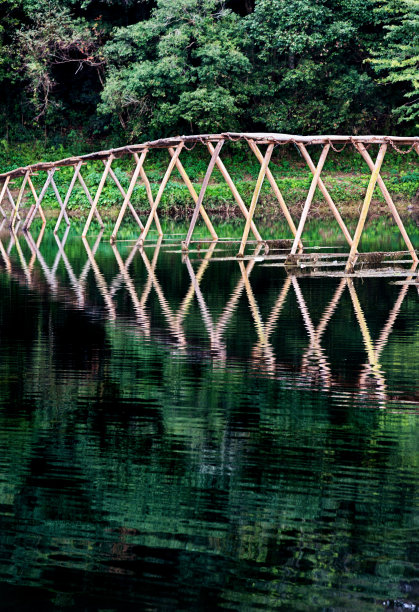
183 434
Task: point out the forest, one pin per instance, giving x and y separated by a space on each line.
118 71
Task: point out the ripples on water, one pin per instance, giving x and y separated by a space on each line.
200 434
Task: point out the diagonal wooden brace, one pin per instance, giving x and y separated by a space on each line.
89 198
255 198
147 185
32 212
67 197
2 194
309 199
97 196
326 194
128 194
121 189
275 189
389 201
194 195
235 192
162 187
60 202
19 199
365 207
185 244
35 197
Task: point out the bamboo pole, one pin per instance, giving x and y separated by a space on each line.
2 194
19 199
31 215
128 194
235 192
97 196
35 197
255 198
67 196
367 201
185 244
89 198
326 194
275 189
12 203
147 185
389 201
159 194
309 199
121 189
194 195
60 202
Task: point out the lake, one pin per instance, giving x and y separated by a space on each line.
183 433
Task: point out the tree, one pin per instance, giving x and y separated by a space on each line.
183 68
308 62
398 55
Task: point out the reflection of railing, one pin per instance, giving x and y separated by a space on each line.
213 143
315 364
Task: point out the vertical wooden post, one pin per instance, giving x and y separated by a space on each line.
19 199
128 194
365 207
162 187
255 198
194 195
326 195
235 192
97 196
275 189
389 201
67 197
309 199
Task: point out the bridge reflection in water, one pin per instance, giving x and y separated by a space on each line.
22 257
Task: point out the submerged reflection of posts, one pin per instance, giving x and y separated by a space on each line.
24 260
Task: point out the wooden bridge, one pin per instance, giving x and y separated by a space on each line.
213 143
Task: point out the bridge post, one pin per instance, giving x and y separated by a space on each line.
275 189
389 201
194 195
309 199
234 191
365 207
67 197
97 196
35 197
326 195
255 198
162 187
19 199
128 194
185 244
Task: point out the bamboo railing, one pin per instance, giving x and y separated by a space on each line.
213 143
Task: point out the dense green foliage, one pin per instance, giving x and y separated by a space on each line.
133 69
